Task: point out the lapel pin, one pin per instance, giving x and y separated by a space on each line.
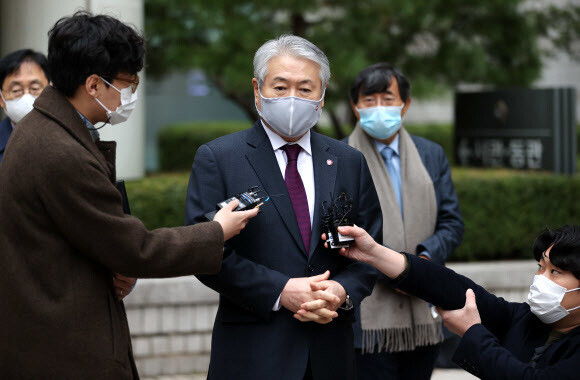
328 162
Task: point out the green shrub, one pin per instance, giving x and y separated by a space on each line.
441 134
503 210
159 201
179 142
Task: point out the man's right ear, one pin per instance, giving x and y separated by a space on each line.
94 85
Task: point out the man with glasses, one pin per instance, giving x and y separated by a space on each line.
397 336
63 232
23 76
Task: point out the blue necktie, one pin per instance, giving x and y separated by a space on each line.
395 176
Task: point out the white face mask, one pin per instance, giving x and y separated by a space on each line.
18 108
128 103
290 116
545 297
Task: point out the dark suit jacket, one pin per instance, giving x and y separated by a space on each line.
5 132
449 229
62 234
502 346
250 341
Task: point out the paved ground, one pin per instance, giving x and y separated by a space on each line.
439 374
451 374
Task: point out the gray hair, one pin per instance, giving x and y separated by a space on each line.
295 46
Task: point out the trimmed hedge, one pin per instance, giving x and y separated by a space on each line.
503 210
179 142
159 200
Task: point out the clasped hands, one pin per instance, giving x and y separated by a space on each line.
313 299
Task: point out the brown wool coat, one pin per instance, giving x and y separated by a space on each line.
62 234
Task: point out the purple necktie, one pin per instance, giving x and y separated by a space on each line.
297 193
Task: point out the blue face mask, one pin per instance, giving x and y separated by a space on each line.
381 122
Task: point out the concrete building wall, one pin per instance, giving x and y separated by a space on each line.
562 71
25 24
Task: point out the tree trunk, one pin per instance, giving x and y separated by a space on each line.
298 24
336 124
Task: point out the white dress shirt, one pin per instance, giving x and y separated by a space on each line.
305 169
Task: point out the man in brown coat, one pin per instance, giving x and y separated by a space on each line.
62 229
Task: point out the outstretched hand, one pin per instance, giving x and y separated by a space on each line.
233 222
365 249
459 321
362 249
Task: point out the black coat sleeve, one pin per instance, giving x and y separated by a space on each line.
481 353
444 288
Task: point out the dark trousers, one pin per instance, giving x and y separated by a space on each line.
413 365
448 347
308 373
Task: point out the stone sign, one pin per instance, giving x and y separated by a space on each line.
520 129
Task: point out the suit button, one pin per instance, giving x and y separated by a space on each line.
310 269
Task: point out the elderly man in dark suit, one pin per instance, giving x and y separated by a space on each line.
397 335
261 331
23 76
63 231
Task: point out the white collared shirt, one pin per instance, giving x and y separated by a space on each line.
304 163
305 169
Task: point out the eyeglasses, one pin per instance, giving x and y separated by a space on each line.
134 84
17 91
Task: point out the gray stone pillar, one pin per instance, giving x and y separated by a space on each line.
25 24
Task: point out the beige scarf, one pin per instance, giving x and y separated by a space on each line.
393 321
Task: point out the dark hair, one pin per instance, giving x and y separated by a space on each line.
11 63
377 78
85 44
565 252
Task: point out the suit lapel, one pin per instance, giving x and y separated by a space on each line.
325 168
263 160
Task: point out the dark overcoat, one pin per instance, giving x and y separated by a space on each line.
502 346
62 235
